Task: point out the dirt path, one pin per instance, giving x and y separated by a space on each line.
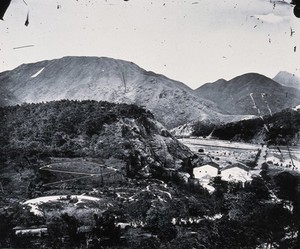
50 168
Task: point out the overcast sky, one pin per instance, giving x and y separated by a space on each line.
195 41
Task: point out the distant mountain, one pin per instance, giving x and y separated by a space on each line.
250 94
287 79
125 134
106 79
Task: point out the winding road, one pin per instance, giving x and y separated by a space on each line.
84 175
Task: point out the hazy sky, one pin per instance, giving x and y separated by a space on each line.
195 41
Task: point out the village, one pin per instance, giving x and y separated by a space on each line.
231 161
238 162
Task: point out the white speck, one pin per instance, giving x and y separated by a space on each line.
37 73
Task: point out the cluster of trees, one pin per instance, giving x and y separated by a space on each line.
60 128
280 128
54 124
232 217
202 128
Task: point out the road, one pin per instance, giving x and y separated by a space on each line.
83 174
262 157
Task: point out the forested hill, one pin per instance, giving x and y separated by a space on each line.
89 128
279 129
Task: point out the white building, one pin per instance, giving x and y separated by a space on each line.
210 169
236 172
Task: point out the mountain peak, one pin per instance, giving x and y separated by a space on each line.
250 94
252 78
106 79
287 79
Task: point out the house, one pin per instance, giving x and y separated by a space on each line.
237 172
210 169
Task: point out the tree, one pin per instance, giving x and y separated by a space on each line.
158 222
71 224
56 229
287 184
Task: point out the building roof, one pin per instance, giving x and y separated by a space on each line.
212 164
236 165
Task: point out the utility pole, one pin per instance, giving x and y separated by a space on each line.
291 156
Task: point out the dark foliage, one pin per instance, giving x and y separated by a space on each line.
202 128
280 129
48 128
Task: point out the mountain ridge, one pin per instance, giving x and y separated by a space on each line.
250 93
287 79
172 102
105 79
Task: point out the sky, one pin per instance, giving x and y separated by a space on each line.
194 42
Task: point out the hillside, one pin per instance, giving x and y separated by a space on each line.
7 98
87 174
124 133
250 94
287 79
283 128
106 79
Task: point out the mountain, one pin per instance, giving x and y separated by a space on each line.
287 79
125 136
251 94
7 98
106 79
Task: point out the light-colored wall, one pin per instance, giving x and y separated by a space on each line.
199 172
235 173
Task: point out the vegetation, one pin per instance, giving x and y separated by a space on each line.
86 129
141 210
55 127
282 128
166 217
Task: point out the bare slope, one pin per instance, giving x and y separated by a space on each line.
7 98
106 79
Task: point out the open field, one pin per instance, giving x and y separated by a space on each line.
36 203
223 152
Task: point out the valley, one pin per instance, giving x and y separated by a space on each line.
254 155
223 152
90 161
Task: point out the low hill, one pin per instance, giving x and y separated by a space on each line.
283 128
126 133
